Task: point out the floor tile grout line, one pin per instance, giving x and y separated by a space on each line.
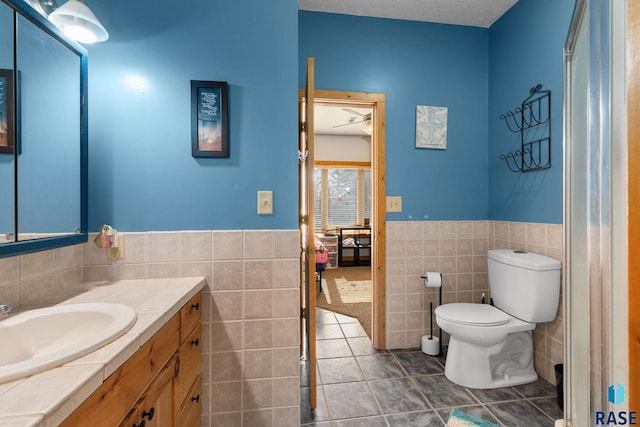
413 381
326 403
434 409
377 403
373 379
495 417
488 406
532 401
495 402
401 365
520 396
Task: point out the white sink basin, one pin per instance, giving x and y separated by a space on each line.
37 340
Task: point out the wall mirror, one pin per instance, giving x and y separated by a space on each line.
43 134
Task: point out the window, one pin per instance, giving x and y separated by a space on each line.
342 197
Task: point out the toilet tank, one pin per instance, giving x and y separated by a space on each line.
525 285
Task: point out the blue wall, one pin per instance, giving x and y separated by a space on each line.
526 48
142 174
478 74
414 63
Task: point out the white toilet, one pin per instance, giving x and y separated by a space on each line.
491 346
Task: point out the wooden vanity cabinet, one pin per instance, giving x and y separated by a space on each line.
159 386
188 385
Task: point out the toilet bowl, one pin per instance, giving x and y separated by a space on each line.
487 347
492 346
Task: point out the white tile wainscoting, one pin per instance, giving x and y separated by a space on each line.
250 317
458 249
250 320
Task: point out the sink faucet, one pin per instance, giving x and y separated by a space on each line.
4 309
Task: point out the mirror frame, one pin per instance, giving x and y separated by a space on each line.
29 246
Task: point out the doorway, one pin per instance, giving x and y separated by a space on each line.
308 97
359 247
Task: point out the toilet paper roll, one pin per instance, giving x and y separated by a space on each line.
430 345
432 279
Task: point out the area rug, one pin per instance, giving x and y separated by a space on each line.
461 419
350 291
347 291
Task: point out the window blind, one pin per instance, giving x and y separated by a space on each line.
342 197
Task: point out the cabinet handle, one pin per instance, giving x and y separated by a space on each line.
195 398
148 415
195 306
195 342
142 423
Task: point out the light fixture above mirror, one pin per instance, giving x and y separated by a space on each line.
78 22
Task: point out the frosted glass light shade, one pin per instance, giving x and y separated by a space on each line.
77 21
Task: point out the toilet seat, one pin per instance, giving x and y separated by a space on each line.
472 314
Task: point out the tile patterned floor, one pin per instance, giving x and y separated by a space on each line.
360 386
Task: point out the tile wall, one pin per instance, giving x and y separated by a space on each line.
458 249
250 322
250 319
29 277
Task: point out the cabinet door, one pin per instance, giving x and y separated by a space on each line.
192 406
190 363
159 411
156 408
190 316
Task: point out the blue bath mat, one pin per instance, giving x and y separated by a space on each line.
460 419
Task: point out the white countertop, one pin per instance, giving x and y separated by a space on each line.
47 398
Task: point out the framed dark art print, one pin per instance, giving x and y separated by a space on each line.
209 119
7 131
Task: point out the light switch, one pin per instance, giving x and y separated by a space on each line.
394 203
265 202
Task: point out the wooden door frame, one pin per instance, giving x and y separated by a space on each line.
306 117
377 102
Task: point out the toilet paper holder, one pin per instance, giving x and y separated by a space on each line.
434 280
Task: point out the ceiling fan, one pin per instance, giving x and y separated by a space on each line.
354 119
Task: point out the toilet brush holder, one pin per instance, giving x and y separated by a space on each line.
431 345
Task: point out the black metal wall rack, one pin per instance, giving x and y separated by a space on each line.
532 120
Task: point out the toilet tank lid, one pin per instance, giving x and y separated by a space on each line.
523 259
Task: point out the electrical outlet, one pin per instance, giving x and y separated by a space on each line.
394 203
117 252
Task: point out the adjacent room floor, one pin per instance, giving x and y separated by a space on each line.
360 386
